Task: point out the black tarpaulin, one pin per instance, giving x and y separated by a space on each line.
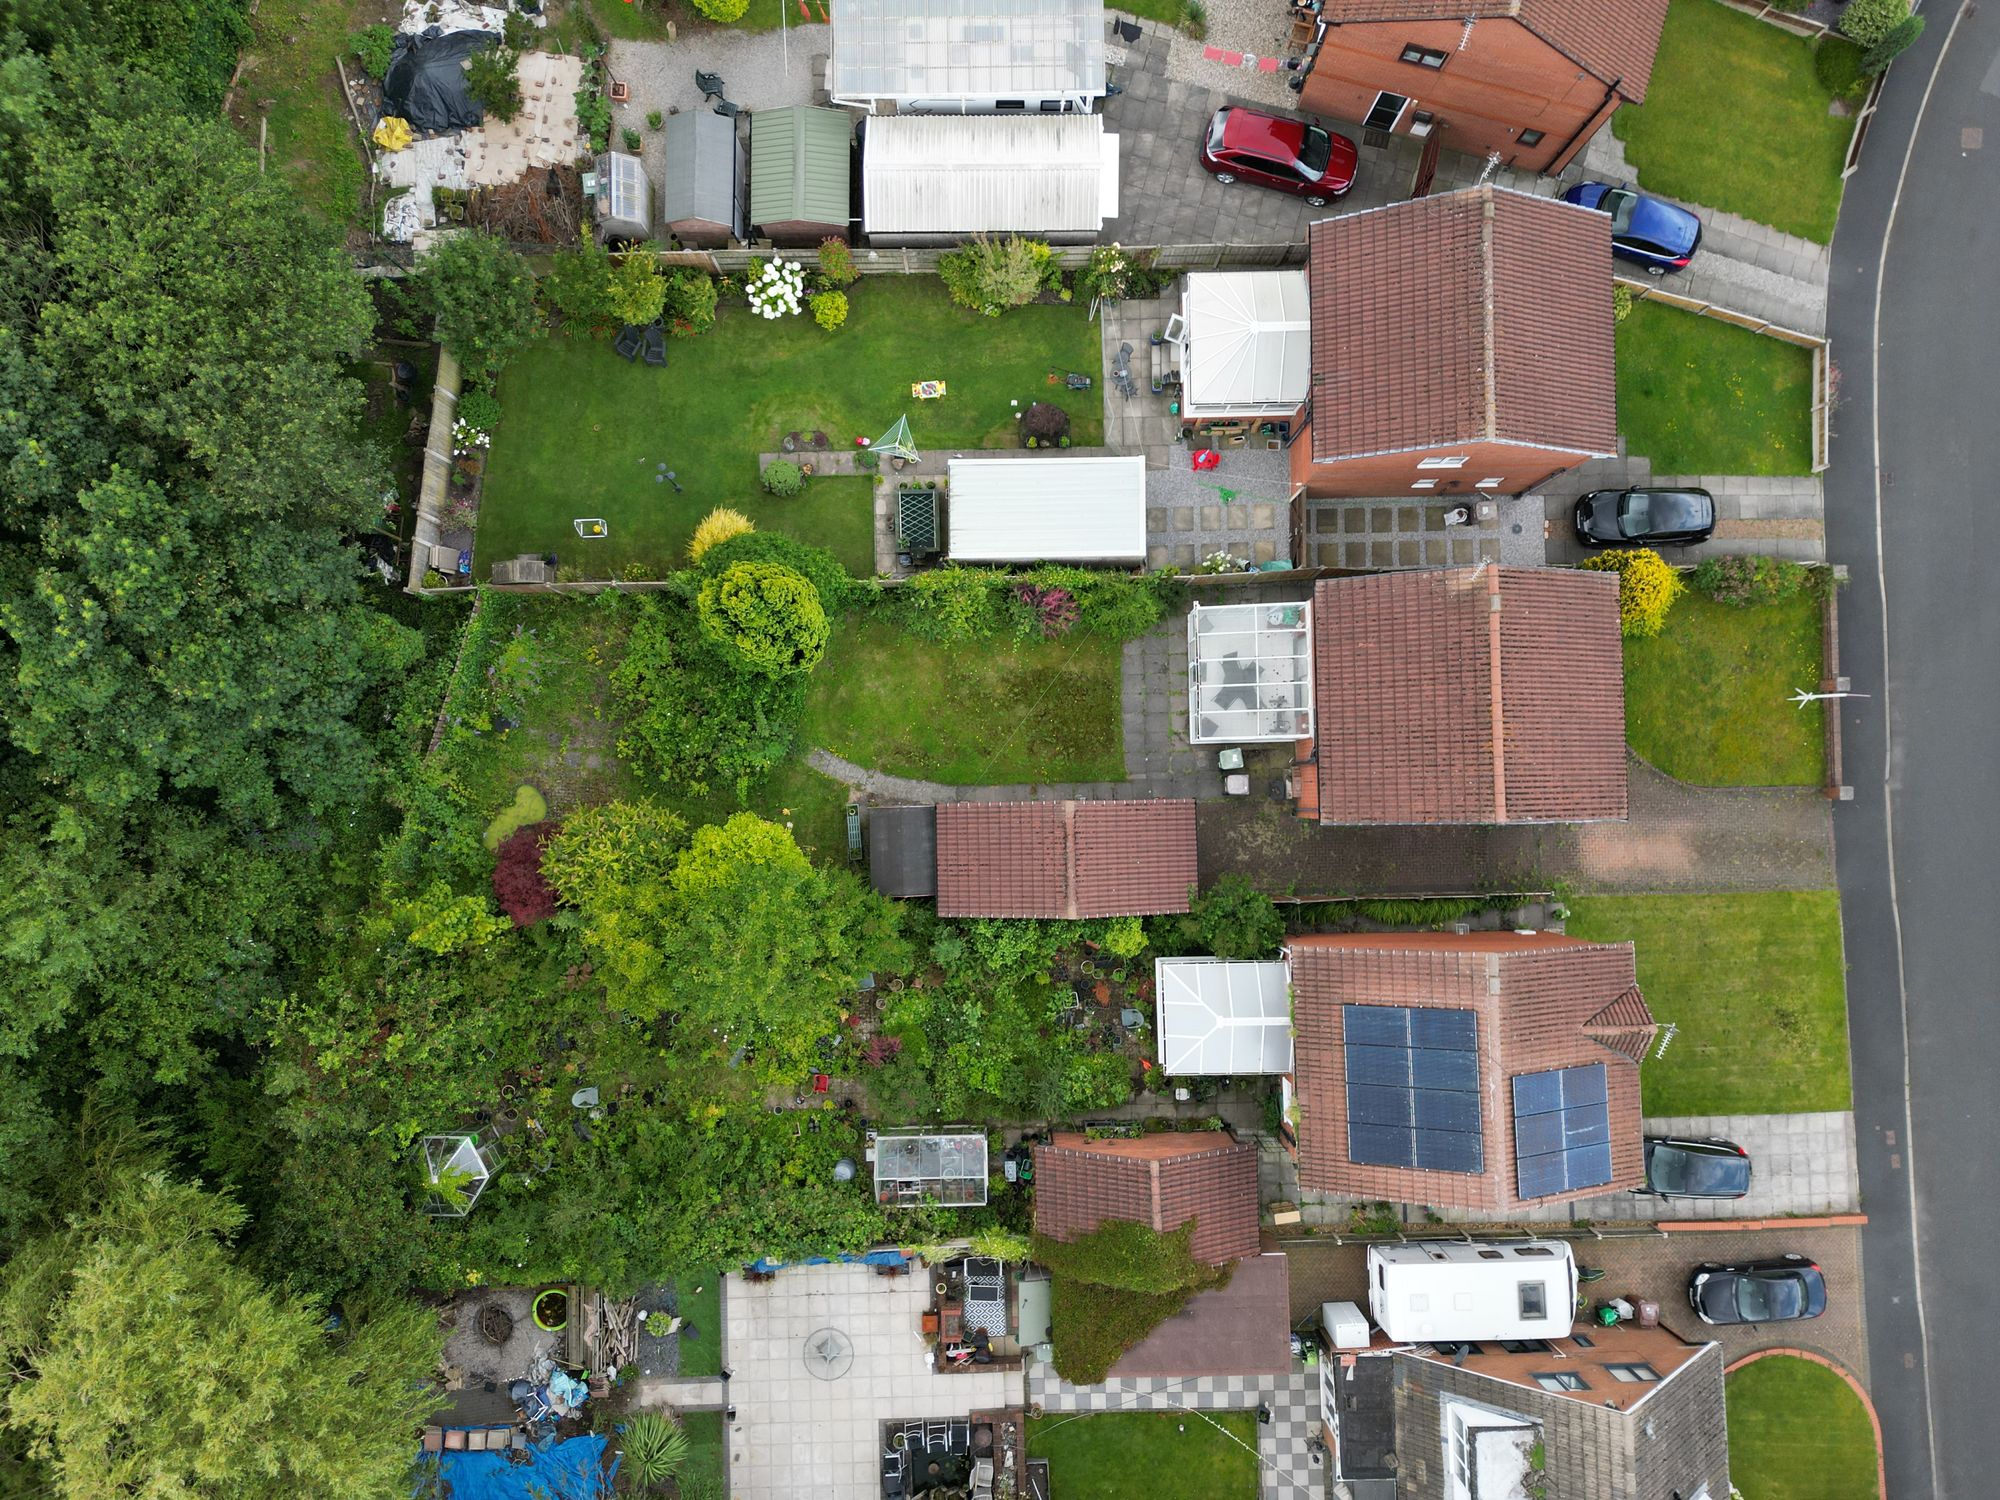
425 83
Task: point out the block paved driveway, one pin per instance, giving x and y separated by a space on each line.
1657 1267
798 1436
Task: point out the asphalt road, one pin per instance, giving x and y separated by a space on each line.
1922 934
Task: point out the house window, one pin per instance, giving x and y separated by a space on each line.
1423 57
1534 1299
1561 1380
1425 484
1633 1372
1531 138
1457 462
1526 1346
1487 484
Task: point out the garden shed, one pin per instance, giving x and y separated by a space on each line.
801 174
939 179
967 56
701 201
902 850
624 198
1024 510
1222 1018
1243 340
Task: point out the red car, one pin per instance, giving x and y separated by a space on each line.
1293 156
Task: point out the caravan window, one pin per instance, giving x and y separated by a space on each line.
1534 1299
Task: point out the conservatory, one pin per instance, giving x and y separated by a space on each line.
1250 673
1222 1018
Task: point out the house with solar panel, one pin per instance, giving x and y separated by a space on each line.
1483 1072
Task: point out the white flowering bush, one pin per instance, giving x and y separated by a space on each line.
777 289
467 439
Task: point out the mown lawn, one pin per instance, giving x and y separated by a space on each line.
698 1298
1736 118
1708 700
584 433
997 712
647 20
1698 396
1126 1455
1757 986
703 1471
1797 1432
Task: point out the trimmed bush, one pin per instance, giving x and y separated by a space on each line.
764 617
836 589
718 526
829 309
1837 64
373 44
1899 39
1647 587
1621 303
836 263
1869 21
990 276
722 10
637 291
784 478
479 408
528 806
690 303
1046 422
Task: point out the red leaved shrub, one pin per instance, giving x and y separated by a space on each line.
518 884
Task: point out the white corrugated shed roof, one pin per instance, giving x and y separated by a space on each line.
1020 510
967 49
966 174
1247 347
1223 1018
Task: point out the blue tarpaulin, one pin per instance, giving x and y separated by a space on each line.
872 1258
569 1470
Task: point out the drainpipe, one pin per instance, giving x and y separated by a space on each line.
1597 118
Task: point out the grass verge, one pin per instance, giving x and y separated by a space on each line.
1122 1455
1797 1432
585 433
1708 699
698 1297
1736 118
1697 396
1002 711
1756 983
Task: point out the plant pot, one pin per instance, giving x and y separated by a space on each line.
552 1310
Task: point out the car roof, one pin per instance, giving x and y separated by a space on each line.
1262 134
1663 223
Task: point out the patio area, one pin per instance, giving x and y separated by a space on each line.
820 1357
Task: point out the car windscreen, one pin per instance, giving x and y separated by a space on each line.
1651 512
1314 153
1668 1169
1620 206
1709 1174
1761 1301
1216 128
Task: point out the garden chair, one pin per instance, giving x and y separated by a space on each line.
654 351
710 84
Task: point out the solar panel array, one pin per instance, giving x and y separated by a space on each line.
1562 1130
1412 1088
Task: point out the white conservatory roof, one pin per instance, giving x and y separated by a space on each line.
966 174
1223 1018
1250 677
1246 349
937 50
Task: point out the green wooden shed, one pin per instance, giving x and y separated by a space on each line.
801 163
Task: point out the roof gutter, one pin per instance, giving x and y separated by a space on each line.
1596 115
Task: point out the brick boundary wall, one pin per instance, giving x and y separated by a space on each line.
1874 1420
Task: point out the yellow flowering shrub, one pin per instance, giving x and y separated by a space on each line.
1647 587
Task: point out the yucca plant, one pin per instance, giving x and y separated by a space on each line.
655 1447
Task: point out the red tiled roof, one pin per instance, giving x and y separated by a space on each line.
1064 859
1469 695
1244 1328
1612 40
1160 1181
1480 315
1533 996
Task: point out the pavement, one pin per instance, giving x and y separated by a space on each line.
1921 637
1656 1267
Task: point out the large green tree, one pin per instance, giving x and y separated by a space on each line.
178 610
150 1362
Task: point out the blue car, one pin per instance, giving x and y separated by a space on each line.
1657 235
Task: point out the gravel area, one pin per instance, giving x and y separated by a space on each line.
658 1355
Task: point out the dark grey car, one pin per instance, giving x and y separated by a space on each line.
1643 517
1686 1168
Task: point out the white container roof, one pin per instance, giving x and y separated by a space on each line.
1024 510
1246 349
1223 1018
1250 677
974 50
970 174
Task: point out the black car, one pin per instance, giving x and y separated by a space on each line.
1758 1291
1677 1168
1644 517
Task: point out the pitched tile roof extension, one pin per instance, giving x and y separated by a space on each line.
1160 1181
1065 859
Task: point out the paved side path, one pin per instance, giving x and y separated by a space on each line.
1286 1467
707 1394
1678 838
